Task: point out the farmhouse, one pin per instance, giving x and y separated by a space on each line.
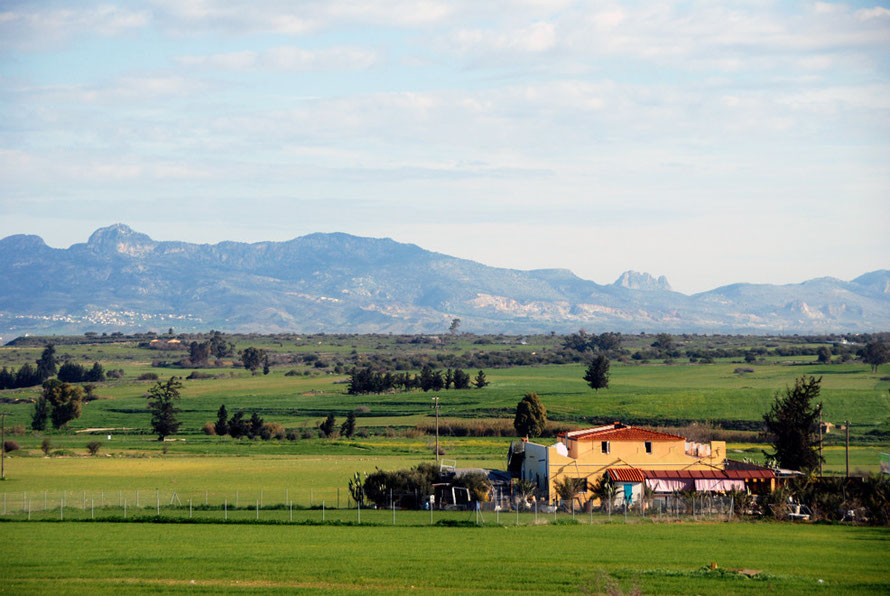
632 457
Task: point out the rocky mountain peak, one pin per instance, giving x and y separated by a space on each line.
121 239
634 280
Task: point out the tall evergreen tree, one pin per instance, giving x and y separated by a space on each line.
462 379
7 379
791 426
162 399
531 416
255 426
347 429
480 381
237 425
222 421
96 374
41 412
329 424
597 375
46 365
66 401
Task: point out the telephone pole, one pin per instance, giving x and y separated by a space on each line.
435 406
2 445
847 428
820 441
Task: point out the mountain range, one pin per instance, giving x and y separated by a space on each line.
122 280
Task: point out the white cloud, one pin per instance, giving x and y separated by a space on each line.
26 28
287 58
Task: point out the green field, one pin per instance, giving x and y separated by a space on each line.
230 483
107 558
691 392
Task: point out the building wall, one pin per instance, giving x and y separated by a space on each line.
591 463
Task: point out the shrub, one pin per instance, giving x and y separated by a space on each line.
292 434
199 375
362 410
209 428
292 373
115 374
149 376
46 446
272 430
9 446
93 447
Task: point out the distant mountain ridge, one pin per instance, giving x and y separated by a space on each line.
121 279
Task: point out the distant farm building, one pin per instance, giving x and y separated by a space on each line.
631 458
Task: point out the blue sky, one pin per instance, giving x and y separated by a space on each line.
711 142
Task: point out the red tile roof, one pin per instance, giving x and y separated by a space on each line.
626 474
638 475
619 432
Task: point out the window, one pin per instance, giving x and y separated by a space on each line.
648 446
605 446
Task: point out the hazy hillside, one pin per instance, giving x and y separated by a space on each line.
121 279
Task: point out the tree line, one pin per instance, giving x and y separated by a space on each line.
367 380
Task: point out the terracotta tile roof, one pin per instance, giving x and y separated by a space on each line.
626 474
638 475
620 432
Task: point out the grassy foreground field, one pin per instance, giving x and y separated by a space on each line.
108 558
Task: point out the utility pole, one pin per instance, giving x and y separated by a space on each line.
435 406
820 441
847 428
2 445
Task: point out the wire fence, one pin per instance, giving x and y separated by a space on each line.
285 505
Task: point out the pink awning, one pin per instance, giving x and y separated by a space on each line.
715 485
663 486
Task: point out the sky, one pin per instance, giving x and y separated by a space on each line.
710 142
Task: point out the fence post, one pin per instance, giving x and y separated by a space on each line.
44 500
257 510
291 507
310 497
125 509
137 498
158 501
359 511
205 497
29 509
92 508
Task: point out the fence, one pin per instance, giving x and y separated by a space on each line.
309 505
